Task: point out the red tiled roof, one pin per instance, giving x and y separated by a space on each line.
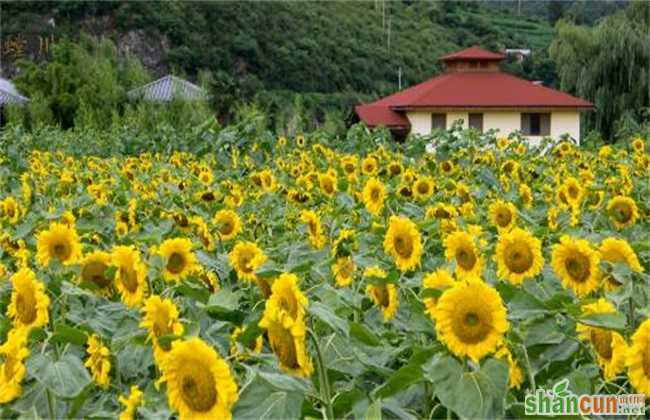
473 53
374 115
466 90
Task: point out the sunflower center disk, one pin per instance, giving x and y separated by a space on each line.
578 267
60 251
622 213
403 246
504 218
374 194
176 263
94 272
465 258
471 326
198 387
602 342
519 258
26 307
226 228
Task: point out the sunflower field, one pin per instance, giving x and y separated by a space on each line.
313 277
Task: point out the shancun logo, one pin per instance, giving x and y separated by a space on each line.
561 401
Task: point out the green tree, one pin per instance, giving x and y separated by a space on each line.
608 64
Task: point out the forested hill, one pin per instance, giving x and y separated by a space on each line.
297 46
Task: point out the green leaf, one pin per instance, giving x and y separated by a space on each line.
270 396
67 334
66 377
477 394
609 321
363 334
407 375
325 314
224 305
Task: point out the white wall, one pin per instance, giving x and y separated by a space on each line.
420 122
562 122
565 122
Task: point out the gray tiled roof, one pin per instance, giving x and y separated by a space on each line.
168 87
9 94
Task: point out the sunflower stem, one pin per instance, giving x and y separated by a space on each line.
531 376
323 379
50 409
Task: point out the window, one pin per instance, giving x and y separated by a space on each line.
438 121
484 64
476 121
536 124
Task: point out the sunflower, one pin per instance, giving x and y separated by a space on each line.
12 210
526 195
245 258
29 304
518 256
471 319
610 347
374 194
228 224
638 145
503 215
130 277
369 165
574 192
638 358
209 279
502 143
178 259
343 270
199 382
12 366
94 270
300 141
460 247
311 219
614 251
440 279
402 242
576 264
623 211
423 187
284 321
59 242
130 403
328 183
98 361
515 375
384 296
205 176
447 167
160 317
395 168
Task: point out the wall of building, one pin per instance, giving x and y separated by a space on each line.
562 122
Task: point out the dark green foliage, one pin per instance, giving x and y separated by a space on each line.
608 64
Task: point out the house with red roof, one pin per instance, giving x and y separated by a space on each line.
475 90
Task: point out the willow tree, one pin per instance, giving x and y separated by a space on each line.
608 64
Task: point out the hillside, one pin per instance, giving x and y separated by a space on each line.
304 47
